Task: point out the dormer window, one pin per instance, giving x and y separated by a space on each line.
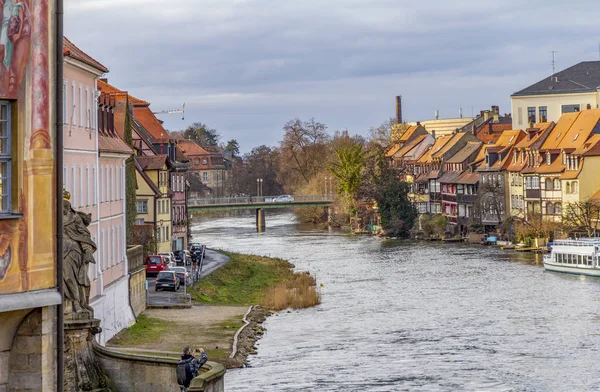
564 158
576 136
548 159
515 157
511 139
557 136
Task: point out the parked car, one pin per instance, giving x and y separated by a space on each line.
167 280
170 258
283 199
183 274
155 264
182 257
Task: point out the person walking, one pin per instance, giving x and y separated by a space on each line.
188 366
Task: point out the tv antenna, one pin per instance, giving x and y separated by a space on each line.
175 111
553 62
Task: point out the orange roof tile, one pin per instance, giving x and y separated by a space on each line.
560 130
581 129
70 50
447 146
437 145
555 166
394 149
408 133
152 162
409 146
110 89
191 148
149 121
113 144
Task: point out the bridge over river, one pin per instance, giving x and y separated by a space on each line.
260 203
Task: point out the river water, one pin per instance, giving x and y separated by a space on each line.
414 316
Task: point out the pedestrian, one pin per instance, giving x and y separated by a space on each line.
188 366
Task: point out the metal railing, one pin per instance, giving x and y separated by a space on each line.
236 200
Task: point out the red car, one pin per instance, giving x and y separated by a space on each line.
155 264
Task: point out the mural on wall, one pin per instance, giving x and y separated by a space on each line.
27 259
15 45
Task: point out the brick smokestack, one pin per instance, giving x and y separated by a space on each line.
398 109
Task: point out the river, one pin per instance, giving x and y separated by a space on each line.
415 316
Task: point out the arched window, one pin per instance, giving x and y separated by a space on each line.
537 208
574 187
548 184
549 209
558 209
556 184
568 188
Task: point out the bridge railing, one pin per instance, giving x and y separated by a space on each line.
255 199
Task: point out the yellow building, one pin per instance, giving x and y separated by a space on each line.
154 205
29 299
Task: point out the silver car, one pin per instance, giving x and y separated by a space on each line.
283 199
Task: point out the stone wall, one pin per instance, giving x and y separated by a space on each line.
130 372
137 279
30 364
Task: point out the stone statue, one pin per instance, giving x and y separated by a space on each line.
78 253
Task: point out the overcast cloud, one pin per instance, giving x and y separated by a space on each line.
245 67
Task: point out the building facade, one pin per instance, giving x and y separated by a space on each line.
29 297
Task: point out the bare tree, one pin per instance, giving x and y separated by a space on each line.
583 216
489 201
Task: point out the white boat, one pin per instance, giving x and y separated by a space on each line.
579 257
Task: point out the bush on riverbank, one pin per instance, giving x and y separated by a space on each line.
250 280
297 293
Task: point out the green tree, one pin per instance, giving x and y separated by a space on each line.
233 147
383 185
348 170
202 134
131 182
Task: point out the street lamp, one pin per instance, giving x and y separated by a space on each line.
259 186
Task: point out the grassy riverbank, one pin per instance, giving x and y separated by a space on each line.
226 295
251 280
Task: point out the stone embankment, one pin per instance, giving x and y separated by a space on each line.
250 334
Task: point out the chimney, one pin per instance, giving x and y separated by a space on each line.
418 123
398 109
105 80
496 111
486 115
437 114
433 133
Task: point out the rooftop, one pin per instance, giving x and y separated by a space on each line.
70 50
579 78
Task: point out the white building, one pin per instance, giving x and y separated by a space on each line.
571 90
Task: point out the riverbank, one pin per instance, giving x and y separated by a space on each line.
220 313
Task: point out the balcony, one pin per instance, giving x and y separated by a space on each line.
465 198
449 197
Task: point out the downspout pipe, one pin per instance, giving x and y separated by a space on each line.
58 85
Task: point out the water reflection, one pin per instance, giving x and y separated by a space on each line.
414 316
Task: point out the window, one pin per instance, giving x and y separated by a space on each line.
568 188
204 161
80 186
574 187
556 184
87 107
87 188
5 159
80 108
139 221
158 234
65 98
543 111
142 206
550 209
548 184
73 185
204 176
569 108
548 159
531 114
73 106
558 209
94 195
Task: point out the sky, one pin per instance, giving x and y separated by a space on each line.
246 67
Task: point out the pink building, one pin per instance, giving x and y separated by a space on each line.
94 172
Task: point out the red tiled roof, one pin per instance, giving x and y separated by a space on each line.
191 148
70 50
152 162
110 89
113 144
153 125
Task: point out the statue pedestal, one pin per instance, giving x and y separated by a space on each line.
82 371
